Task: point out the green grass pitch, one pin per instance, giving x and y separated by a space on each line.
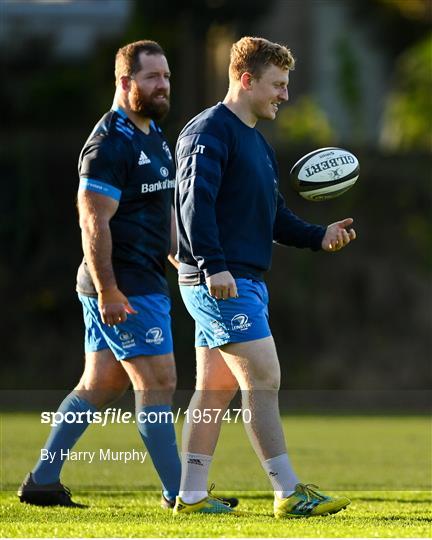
383 463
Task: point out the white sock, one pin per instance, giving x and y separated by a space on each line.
195 469
281 475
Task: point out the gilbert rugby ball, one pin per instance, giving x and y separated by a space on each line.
324 174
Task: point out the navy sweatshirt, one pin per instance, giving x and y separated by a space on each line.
228 207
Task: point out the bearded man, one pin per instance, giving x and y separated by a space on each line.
125 197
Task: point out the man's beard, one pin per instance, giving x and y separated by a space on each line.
145 107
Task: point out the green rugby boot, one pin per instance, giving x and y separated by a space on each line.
169 504
307 501
209 505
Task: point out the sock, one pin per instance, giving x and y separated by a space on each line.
281 475
63 436
160 440
195 469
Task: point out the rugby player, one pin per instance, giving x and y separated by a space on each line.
125 198
229 211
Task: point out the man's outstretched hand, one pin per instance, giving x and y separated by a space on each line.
337 236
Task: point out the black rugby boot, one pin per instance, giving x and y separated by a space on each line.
55 494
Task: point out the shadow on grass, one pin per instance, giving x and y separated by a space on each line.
392 499
405 518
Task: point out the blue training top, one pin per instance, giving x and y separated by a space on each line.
228 206
120 161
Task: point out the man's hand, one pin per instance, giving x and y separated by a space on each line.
173 261
222 286
337 237
114 306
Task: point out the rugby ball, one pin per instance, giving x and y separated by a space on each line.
324 174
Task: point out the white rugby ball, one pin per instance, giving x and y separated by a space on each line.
325 173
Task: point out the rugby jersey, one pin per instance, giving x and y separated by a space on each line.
136 169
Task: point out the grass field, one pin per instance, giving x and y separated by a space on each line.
382 463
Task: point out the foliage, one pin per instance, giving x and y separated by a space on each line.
411 9
393 26
304 121
349 85
408 116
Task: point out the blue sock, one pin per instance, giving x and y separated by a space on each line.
160 440
62 437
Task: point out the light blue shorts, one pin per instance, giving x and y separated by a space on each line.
218 322
147 333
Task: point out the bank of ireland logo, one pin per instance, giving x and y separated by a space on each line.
167 150
154 335
164 172
240 322
127 339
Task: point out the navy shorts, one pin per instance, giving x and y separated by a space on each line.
218 322
147 333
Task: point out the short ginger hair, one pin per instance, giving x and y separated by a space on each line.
253 55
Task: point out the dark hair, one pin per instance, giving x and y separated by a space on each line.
127 61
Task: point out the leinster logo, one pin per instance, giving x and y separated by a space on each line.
164 172
154 335
167 150
240 322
